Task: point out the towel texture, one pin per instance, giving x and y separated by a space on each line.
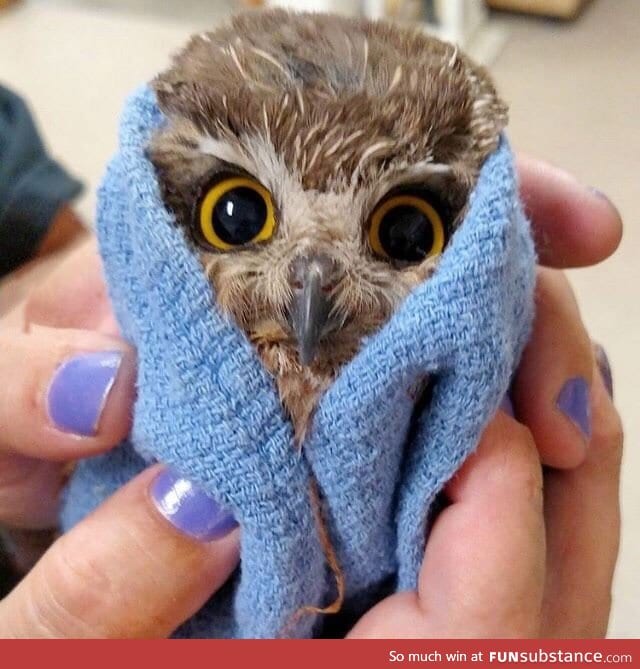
207 407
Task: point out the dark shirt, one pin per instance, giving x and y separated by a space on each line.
32 185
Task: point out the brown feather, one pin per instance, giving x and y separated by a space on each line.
329 113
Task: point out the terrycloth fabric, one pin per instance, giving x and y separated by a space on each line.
207 407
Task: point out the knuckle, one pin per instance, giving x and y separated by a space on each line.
73 588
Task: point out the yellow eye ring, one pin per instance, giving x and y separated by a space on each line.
419 243
228 229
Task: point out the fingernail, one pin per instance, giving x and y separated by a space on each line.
573 401
602 196
605 368
189 509
79 390
507 405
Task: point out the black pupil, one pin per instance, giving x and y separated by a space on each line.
406 233
239 215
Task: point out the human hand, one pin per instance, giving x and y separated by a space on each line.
519 552
57 344
125 572
71 390
573 227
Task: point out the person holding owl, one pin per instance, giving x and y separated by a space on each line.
563 593
160 545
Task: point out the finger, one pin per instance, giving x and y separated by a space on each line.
551 388
483 570
583 529
70 394
16 287
74 295
573 226
128 570
30 492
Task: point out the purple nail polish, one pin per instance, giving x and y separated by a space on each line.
189 509
605 369
79 390
573 401
507 405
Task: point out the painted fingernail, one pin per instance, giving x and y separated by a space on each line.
79 391
573 401
605 368
189 509
507 405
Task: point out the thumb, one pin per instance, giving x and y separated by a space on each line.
483 570
64 301
139 566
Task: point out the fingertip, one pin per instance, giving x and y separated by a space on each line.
89 396
573 225
595 224
156 577
71 393
611 234
188 508
506 456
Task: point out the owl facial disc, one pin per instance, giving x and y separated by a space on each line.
310 309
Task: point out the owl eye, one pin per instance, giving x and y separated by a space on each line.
406 228
235 211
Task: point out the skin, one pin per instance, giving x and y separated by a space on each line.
66 231
548 556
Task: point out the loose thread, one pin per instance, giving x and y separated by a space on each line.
330 557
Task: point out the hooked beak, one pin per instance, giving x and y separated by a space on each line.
311 304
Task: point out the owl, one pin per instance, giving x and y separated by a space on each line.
319 165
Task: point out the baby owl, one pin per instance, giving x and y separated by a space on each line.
320 165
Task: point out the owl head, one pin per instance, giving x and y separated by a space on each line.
320 165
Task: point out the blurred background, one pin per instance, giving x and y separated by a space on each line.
569 70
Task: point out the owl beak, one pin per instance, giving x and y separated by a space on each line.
311 304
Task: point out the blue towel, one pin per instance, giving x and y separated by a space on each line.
207 407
